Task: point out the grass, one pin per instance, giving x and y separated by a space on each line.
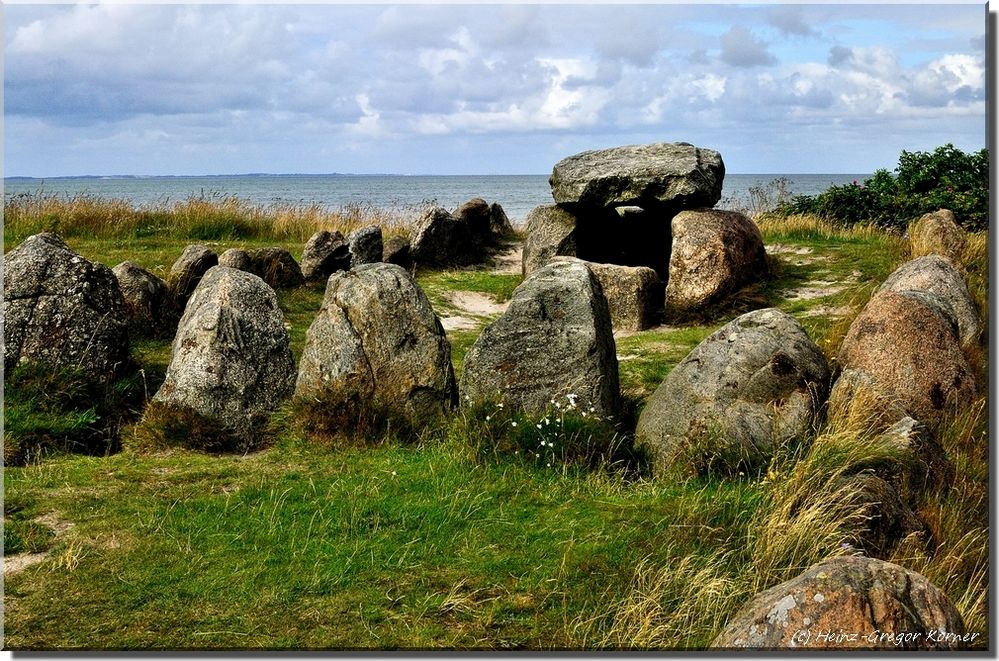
460 538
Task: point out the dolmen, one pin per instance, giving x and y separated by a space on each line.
649 206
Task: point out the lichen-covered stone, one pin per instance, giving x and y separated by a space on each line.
634 294
678 175
555 339
148 305
325 253
231 365
848 602
62 310
377 339
551 231
187 271
365 245
442 239
751 387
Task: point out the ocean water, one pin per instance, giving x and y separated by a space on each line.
518 194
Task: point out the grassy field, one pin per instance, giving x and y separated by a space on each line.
445 542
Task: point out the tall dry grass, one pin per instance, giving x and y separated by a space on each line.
202 217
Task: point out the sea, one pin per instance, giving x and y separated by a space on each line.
517 194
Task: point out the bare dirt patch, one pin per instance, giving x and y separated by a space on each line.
458 323
782 249
655 329
476 303
815 289
828 311
13 564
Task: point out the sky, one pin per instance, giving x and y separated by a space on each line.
105 89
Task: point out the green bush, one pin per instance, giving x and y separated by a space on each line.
923 182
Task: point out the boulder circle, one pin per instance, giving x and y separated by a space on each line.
714 253
938 275
752 386
231 364
908 344
62 310
377 339
848 602
554 340
677 175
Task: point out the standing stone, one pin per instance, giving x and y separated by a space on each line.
938 233
396 251
554 340
442 239
751 387
148 306
476 214
675 175
499 223
230 367
61 310
714 253
938 275
187 271
634 294
377 340
907 343
276 267
848 602
365 245
325 253
236 258
551 231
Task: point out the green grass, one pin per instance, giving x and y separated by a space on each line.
450 541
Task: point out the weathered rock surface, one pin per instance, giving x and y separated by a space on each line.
551 231
888 518
714 253
236 258
908 344
231 364
377 339
325 253
634 294
477 215
938 233
61 310
187 271
396 251
365 245
749 388
860 402
927 468
147 301
554 339
938 275
677 175
848 602
442 239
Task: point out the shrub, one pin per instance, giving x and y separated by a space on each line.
946 178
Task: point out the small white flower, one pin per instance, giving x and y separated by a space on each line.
488 418
593 409
549 465
538 425
393 473
585 414
500 405
513 423
558 405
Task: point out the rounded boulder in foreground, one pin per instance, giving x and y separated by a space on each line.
849 602
376 340
231 365
62 310
554 340
755 384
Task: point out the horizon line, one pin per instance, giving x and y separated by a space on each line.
347 174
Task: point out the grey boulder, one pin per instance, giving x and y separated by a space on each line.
442 239
231 365
365 245
551 231
148 305
62 310
325 253
751 387
554 341
376 340
396 251
236 258
676 175
634 294
187 271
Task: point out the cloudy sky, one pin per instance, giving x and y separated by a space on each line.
444 89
